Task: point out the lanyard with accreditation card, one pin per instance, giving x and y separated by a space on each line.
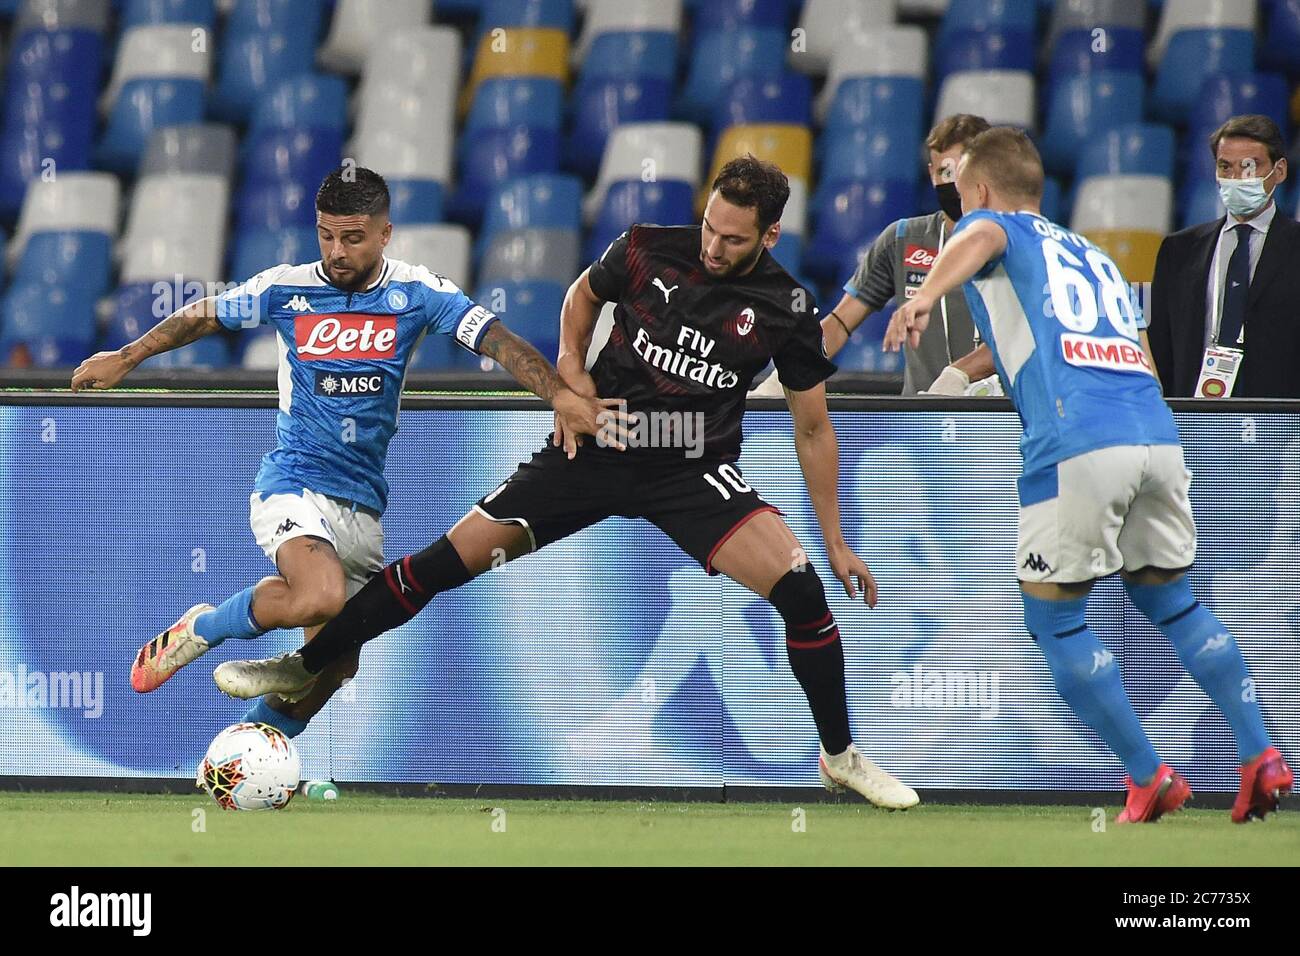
1221 363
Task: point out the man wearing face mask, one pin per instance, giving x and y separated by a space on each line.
1223 317
894 268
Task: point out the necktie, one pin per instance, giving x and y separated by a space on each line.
1236 285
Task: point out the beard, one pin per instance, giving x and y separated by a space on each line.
741 266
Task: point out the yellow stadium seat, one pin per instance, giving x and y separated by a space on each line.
1133 250
517 51
786 144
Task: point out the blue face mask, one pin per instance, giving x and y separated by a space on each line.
1243 197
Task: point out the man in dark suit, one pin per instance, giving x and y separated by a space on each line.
1228 283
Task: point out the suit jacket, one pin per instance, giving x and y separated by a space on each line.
1271 367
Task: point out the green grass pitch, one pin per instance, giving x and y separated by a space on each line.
98 829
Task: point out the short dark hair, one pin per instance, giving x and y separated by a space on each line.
958 129
1251 126
1007 158
353 191
752 183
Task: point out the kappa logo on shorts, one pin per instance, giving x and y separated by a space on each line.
287 525
1036 563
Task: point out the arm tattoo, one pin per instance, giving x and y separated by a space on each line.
180 328
525 363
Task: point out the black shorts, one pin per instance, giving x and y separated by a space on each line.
698 504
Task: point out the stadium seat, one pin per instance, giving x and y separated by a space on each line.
211 351
530 309
358 24
787 145
517 255
646 54
1003 97
302 156
824 22
490 157
1133 250
600 105
62 15
256 250
1281 50
1082 108
405 133
74 260
158 80
538 52
865 351
415 201
896 52
781 99
147 12
197 148
161 240
894 103
794 227
664 203
1069 16
532 202
269 16
961 15
741 14
652 151
1116 203
536 102
1193 55
260 350
991 48
1181 15
254 64
847 217
552 14
870 153
275 205
1051 205
1199 202
1134 149
54 325
720 58
427 59
1225 95
627 16
305 101
443 249
71 202
1079 51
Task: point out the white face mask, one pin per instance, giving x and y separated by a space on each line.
1243 197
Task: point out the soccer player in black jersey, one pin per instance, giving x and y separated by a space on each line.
700 311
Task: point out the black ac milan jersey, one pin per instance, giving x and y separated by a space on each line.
684 341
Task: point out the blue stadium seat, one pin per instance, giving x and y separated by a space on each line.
1190 57
144 12
492 156
440 353
252 64
55 73
303 156
308 100
557 14
865 352
631 54
990 49
734 14
665 203
1076 52
269 16
532 101
24 151
1084 106
415 201
1282 37
789 252
780 99
143 106
1134 149
542 201
56 325
211 351
530 309
869 153
1198 203
895 102
80 261
256 250
599 105
1015 15
848 216
1226 95
720 58
1051 206
276 206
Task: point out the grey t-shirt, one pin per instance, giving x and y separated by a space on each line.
894 267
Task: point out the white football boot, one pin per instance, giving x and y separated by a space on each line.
285 675
852 771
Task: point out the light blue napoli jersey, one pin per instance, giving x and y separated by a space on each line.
1063 326
343 358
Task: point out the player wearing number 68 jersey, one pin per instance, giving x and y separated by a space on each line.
1104 487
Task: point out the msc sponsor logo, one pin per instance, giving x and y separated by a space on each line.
346 385
345 336
1114 353
471 325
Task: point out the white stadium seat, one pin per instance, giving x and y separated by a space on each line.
1089 14
675 151
1124 202
176 226
262 352
164 52
794 220
442 248
1199 15
425 58
358 24
1003 97
892 51
402 132
826 23
71 202
617 16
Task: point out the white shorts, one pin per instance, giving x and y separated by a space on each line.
357 535
1089 516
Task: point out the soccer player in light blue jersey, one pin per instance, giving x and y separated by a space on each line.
1104 487
347 325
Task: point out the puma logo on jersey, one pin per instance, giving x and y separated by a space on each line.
666 291
299 304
